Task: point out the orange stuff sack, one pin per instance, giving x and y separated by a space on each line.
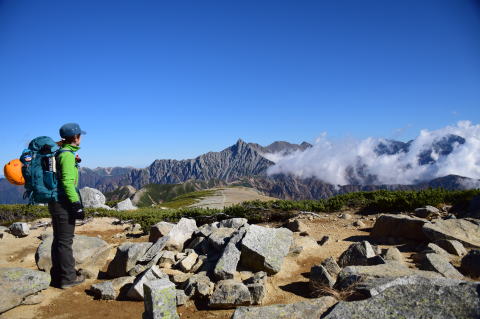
13 172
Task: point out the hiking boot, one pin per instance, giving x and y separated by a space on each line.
80 279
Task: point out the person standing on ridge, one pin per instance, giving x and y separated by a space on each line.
66 209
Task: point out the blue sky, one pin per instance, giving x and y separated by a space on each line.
175 79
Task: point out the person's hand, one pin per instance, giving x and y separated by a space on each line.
76 209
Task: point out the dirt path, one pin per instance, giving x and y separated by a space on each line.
289 285
228 196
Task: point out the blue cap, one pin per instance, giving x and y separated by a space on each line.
70 129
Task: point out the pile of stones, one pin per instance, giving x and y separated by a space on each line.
220 265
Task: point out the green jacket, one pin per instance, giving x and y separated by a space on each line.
68 177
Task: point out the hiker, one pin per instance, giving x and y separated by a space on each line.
66 209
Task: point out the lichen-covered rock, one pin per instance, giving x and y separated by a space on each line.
229 294
89 252
126 257
356 254
220 237
471 263
263 249
19 229
160 300
414 301
402 226
311 309
452 246
462 230
159 230
180 233
18 283
151 274
227 264
111 289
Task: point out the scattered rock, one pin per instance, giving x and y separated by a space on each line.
331 266
358 223
300 310
431 247
19 229
18 283
393 254
399 226
356 254
180 233
93 198
345 216
112 289
167 259
440 264
414 301
125 205
427 212
227 264
325 240
471 263
89 252
199 264
263 249
296 225
319 277
220 237
188 262
206 230
181 297
126 258
462 230
257 287
233 222
452 246
152 274
159 230
229 294
198 286
160 300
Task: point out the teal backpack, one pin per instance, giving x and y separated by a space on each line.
40 170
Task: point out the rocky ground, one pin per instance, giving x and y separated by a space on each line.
379 264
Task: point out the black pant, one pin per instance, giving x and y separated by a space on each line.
63 263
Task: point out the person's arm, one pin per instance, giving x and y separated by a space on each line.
67 180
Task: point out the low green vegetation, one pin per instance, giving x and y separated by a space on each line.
187 199
258 211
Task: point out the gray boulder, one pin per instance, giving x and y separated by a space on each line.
136 290
257 285
401 226
220 237
433 248
427 212
452 246
159 230
206 230
112 289
331 266
356 254
160 300
233 222
319 277
198 286
263 249
19 229
440 264
352 274
462 230
180 233
227 264
154 250
229 294
90 253
471 263
393 254
167 259
311 309
18 283
414 301
187 263
126 258
93 198
125 205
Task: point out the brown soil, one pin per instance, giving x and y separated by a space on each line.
289 285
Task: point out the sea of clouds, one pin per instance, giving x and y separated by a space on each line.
338 162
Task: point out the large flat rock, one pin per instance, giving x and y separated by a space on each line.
18 283
263 249
423 300
400 226
461 230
